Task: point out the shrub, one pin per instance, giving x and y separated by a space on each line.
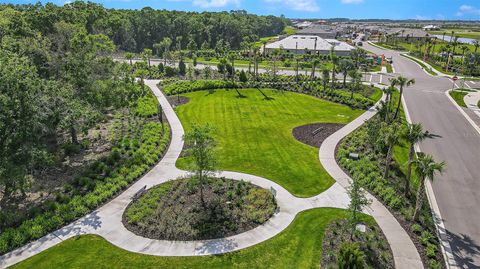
198 85
350 257
147 106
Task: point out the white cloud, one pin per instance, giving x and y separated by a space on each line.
215 3
468 10
351 1
299 5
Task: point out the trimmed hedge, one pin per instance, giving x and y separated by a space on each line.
142 154
197 85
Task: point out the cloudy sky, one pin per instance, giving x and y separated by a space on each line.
391 9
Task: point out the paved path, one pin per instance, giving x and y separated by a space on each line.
106 221
454 196
472 100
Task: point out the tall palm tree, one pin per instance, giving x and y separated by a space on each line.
413 135
325 78
455 44
402 83
345 66
476 44
315 62
464 48
388 101
426 168
391 139
356 80
334 59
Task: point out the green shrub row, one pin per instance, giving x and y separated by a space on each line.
197 85
140 156
147 106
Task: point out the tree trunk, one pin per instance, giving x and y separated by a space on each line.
419 202
73 134
411 154
399 104
388 161
344 80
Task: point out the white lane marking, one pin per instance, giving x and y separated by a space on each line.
371 76
473 82
381 77
467 85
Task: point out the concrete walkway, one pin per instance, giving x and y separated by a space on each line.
106 221
472 100
404 251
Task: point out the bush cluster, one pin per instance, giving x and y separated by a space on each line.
100 182
147 106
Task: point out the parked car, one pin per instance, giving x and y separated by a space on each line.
359 44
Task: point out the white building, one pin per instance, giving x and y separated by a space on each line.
431 28
300 44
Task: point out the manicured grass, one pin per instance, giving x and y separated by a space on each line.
298 246
458 97
389 68
254 135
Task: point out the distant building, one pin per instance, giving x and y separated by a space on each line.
323 31
431 28
301 44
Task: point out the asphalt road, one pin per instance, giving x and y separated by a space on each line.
457 191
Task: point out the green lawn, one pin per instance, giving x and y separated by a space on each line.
255 135
298 246
458 97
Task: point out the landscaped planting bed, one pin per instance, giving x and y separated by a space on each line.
371 242
368 171
138 144
184 210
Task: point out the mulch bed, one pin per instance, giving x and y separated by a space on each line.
314 134
177 101
174 210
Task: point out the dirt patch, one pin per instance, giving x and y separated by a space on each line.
314 134
175 210
177 100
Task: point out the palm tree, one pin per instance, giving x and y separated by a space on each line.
391 139
388 101
334 59
413 135
297 60
345 66
455 44
325 78
129 56
147 54
356 80
402 82
426 168
476 44
464 48
315 62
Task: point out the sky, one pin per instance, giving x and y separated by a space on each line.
354 9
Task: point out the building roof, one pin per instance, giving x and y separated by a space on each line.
309 42
318 29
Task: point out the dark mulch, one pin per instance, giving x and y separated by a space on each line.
174 210
372 243
314 134
177 100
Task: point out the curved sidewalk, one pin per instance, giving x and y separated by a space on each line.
472 100
404 251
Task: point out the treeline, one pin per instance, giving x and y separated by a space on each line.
135 30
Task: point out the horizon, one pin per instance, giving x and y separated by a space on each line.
442 10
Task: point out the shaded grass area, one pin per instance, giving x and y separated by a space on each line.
458 97
298 246
254 135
